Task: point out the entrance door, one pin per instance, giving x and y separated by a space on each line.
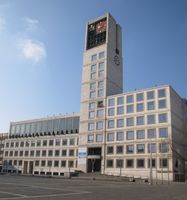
31 167
94 159
25 167
94 165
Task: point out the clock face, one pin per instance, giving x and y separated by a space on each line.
116 60
96 34
101 27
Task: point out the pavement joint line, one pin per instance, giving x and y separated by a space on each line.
11 193
43 196
41 187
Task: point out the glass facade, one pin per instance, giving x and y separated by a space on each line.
65 125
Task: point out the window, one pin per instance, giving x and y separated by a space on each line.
130 135
151 105
110 137
130 163
130 149
119 163
22 143
150 95
31 153
27 143
44 143
110 163
21 153
57 153
92 94
70 163
140 107
120 110
101 65
111 112
130 108
57 142
50 152
99 125
163 163
92 86
120 100
119 149
110 124
151 148
72 141
51 142
100 84
100 93
111 102
93 68
100 113
140 148
64 142
91 106
162 118
38 153
119 136
101 74
153 163
37 163
99 138
26 153
44 153
110 150
91 115
63 163
140 134
17 144
93 76
151 119
20 163
32 143
71 152
130 99
15 153
130 121
12 144
101 55
139 97
163 147
161 93
38 143
162 103
163 132
151 133
140 163
100 104
94 57
43 163
7 144
120 123
140 120
56 163
90 138
49 163
64 152
11 153
91 126
6 153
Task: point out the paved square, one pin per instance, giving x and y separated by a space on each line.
38 188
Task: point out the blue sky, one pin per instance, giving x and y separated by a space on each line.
41 51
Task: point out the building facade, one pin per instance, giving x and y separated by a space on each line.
45 146
142 133
3 136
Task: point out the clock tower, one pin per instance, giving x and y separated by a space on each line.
102 76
